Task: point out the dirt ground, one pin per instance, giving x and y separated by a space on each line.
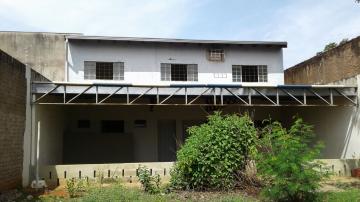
334 184
339 183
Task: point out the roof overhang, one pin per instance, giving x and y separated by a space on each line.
64 93
280 44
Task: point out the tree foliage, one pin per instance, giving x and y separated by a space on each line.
330 46
213 152
287 162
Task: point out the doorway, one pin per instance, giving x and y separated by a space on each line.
167 140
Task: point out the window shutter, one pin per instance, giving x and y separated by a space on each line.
118 71
89 70
236 73
263 74
165 72
192 72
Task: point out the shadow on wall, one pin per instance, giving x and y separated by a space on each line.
351 147
337 127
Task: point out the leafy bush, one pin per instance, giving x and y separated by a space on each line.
151 184
287 161
214 152
75 187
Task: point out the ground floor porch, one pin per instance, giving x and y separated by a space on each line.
84 141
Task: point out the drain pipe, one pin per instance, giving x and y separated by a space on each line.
37 153
37 183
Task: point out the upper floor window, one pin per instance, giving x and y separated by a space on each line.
249 73
179 72
103 70
216 54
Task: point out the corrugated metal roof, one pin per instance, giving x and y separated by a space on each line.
282 44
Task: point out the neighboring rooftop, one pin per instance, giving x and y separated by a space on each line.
281 44
26 32
336 64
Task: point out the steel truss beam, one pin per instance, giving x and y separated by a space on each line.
89 94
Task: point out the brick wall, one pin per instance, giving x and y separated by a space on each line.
339 63
12 120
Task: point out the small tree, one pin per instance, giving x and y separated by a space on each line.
330 46
343 41
287 162
213 152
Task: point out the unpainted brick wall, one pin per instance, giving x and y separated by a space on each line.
339 63
12 120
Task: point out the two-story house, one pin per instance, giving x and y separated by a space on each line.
130 100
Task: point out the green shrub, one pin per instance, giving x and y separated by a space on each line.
75 187
287 161
151 184
214 152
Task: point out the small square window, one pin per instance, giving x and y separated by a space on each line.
216 55
140 123
83 123
112 126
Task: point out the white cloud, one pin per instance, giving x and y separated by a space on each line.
116 17
307 25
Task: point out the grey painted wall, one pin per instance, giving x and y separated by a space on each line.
43 52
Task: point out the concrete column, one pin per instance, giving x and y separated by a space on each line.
27 132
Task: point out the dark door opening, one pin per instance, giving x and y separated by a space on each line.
167 140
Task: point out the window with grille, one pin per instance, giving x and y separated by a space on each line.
83 124
216 55
192 72
178 72
112 126
236 73
249 73
103 70
262 71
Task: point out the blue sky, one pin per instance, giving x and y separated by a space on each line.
307 25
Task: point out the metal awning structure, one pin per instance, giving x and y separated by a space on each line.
65 93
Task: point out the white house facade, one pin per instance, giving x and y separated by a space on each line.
126 101
166 61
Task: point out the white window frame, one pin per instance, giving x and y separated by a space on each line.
90 70
262 73
191 70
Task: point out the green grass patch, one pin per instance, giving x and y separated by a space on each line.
118 192
350 195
